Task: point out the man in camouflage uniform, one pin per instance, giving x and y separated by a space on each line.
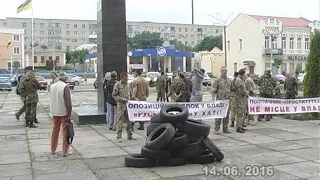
121 94
24 106
267 85
28 91
250 87
240 101
188 89
232 102
168 84
221 91
177 89
291 86
160 86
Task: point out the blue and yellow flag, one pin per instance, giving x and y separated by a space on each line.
25 6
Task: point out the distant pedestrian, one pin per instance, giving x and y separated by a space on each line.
291 86
111 114
161 84
61 109
23 108
197 80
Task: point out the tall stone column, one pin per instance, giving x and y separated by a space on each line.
111 41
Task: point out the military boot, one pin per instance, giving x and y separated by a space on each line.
36 121
31 125
141 127
239 130
232 124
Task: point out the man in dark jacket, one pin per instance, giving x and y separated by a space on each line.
111 103
28 91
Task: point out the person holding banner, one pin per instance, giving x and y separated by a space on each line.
220 90
197 79
240 100
250 87
267 85
121 93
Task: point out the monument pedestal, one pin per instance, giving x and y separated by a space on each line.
84 116
111 52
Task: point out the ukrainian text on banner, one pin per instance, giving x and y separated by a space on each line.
143 110
258 105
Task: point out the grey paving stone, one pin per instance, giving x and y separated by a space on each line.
303 170
266 131
246 150
186 170
77 175
308 142
25 177
126 143
226 142
283 145
87 133
198 177
105 163
79 143
311 154
12 132
275 158
125 173
13 147
14 158
19 169
58 166
290 136
47 156
105 152
258 139
132 149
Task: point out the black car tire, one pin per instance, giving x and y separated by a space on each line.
172 162
155 119
137 160
160 137
193 149
202 159
179 142
218 155
76 83
154 154
196 128
152 127
181 117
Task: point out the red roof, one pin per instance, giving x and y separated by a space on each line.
286 21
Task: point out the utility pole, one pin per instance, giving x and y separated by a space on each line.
192 13
224 24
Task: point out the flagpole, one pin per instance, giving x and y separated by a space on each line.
32 39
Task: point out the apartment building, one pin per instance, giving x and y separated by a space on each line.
69 33
11 48
252 39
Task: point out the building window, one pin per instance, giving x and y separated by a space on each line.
235 67
68 33
41 39
217 31
83 33
240 44
67 25
75 33
75 26
42 59
299 43
24 24
284 43
185 29
42 32
68 40
284 67
179 29
41 25
306 43
83 26
291 68
50 58
57 59
35 59
68 48
16 50
16 38
267 42
274 43
228 45
83 40
291 43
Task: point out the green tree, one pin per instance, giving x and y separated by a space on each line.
208 43
78 56
277 61
311 82
179 46
68 57
16 64
299 68
144 40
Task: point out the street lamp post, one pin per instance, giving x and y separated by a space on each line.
192 12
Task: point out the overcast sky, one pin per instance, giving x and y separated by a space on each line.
176 11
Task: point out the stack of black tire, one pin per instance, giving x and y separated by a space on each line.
175 140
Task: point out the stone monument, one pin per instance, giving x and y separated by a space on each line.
112 54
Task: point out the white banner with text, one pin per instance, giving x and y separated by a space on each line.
258 105
143 110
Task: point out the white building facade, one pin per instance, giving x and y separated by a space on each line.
253 40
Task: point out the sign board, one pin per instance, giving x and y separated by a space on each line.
161 51
136 66
129 53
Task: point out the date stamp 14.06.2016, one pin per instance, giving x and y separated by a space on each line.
235 171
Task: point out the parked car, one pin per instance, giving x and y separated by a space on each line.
5 84
280 78
207 81
76 79
43 83
14 80
71 82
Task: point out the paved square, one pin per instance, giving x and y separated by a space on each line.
290 147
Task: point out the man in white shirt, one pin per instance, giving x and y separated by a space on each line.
61 109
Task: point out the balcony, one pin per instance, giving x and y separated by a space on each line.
273 51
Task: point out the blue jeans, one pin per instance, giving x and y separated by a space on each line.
112 116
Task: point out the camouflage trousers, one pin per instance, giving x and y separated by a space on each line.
233 110
267 116
248 116
290 94
225 122
31 112
161 95
240 111
123 118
